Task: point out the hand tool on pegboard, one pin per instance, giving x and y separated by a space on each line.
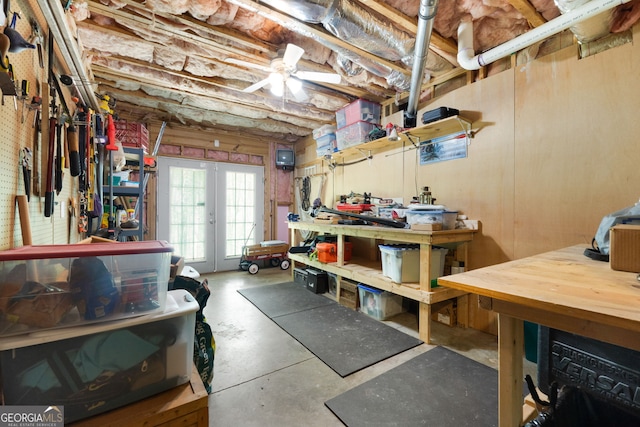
59 162
53 121
83 118
36 39
26 157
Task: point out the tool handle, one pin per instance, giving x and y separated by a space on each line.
59 159
74 154
48 195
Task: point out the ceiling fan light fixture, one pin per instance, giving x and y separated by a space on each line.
277 84
294 84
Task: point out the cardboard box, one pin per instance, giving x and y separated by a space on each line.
95 368
444 312
177 264
624 248
349 294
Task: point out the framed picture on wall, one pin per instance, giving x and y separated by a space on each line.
448 147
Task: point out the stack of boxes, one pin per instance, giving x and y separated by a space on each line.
355 121
92 327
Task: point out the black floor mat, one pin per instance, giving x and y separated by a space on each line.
438 388
344 339
283 298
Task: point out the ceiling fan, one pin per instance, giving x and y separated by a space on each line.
283 72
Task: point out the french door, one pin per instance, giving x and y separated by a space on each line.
209 211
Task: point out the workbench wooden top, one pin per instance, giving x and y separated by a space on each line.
562 282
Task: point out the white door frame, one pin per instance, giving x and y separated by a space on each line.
215 208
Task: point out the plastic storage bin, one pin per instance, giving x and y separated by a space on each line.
95 368
401 263
328 252
449 220
424 217
54 286
326 144
360 110
323 130
354 134
379 304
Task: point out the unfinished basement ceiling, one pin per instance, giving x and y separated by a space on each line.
189 61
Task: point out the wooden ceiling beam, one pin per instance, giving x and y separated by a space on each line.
528 11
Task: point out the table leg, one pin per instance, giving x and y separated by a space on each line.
510 354
424 322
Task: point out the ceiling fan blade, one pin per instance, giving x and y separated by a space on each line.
318 77
292 55
295 87
256 86
248 64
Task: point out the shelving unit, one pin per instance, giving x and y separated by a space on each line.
137 192
370 272
448 126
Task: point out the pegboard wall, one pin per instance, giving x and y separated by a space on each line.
18 131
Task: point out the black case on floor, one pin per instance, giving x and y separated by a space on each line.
438 114
317 281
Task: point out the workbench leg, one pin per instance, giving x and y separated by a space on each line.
510 354
424 322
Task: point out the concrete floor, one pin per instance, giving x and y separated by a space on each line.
263 377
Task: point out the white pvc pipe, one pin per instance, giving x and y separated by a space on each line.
561 23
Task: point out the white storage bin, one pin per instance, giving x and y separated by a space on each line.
449 220
379 304
401 263
95 368
424 217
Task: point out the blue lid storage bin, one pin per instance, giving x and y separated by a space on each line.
379 304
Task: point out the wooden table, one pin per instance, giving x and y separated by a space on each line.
561 289
184 405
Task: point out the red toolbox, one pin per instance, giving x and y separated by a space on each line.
328 252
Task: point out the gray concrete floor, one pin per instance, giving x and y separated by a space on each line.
263 377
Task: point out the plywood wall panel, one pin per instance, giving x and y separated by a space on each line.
576 149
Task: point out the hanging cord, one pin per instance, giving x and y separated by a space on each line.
305 191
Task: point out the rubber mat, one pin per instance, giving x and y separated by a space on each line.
438 388
345 340
283 298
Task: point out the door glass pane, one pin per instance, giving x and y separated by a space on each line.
187 214
241 203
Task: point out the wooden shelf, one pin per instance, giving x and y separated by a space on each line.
448 126
360 271
370 272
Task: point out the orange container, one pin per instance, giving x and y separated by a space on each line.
328 252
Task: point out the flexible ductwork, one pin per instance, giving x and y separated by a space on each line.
428 9
350 22
468 61
589 29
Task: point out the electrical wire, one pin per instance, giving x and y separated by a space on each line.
305 191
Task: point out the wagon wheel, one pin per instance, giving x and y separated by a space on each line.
253 268
284 264
274 262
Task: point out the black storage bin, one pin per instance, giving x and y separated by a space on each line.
300 276
438 114
317 281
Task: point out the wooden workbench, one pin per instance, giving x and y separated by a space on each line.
185 405
368 272
561 289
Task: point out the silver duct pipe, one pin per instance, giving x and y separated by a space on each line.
428 9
